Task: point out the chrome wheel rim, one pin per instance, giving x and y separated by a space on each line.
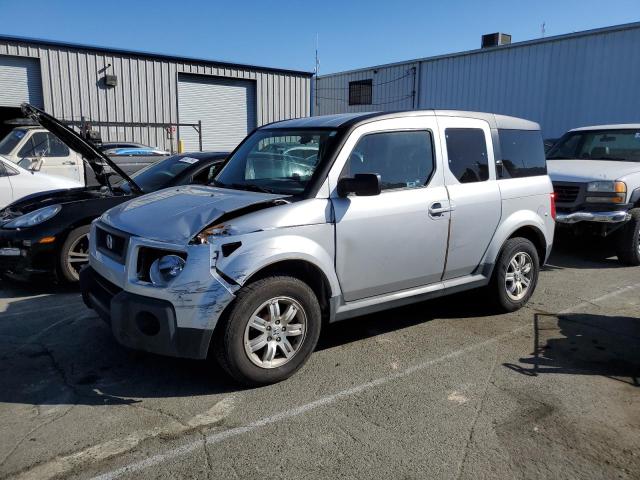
78 256
275 332
519 276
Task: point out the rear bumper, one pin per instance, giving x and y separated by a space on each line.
140 322
618 216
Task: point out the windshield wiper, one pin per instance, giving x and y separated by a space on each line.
243 186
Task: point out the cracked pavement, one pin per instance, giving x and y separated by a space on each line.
441 389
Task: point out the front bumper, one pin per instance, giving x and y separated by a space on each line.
176 320
142 323
22 259
617 216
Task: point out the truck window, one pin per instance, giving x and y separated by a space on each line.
467 151
44 144
12 139
402 159
522 153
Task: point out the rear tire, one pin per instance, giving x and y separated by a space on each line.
515 275
628 240
270 331
74 254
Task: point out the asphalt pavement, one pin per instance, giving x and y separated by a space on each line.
440 389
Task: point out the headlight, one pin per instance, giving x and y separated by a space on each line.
34 218
607 187
165 269
614 192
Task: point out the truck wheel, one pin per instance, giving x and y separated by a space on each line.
74 254
515 275
628 240
270 332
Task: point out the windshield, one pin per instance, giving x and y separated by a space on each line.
276 161
622 145
8 143
159 174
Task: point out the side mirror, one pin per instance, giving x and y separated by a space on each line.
36 164
362 184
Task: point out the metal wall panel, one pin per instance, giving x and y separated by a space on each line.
19 81
72 87
226 108
563 82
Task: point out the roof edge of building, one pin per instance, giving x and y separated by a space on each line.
524 43
170 57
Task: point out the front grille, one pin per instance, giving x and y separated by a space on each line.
566 193
112 243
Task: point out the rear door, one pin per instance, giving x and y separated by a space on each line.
470 178
57 158
396 240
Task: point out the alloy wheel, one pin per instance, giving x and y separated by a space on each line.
519 276
275 332
78 255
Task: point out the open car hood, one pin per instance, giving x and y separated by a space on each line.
177 214
93 156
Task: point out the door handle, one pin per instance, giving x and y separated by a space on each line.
437 209
68 162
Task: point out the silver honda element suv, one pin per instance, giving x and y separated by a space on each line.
320 219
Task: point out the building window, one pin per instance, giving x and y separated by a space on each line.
361 92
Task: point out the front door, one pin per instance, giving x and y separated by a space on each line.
475 196
396 240
6 192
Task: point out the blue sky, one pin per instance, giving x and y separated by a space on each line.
282 34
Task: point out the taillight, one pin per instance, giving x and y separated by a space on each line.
553 206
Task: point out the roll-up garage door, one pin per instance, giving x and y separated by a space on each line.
20 81
226 107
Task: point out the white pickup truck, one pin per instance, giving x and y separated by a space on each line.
596 178
35 148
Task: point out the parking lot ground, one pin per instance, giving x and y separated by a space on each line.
441 389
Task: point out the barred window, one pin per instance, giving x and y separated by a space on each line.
361 92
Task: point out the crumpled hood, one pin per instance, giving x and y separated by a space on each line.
177 214
589 170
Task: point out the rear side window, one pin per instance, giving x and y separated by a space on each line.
467 152
522 153
402 159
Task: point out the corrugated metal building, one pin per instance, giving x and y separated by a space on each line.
562 82
75 81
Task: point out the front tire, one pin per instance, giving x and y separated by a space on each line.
628 240
270 331
515 275
74 254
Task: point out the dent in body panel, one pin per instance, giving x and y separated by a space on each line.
311 243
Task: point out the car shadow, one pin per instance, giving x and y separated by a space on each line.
54 351
585 344
570 251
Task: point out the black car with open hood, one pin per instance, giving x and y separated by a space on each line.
47 233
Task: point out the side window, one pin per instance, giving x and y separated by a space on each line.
467 151
44 144
7 171
402 159
205 176
522 153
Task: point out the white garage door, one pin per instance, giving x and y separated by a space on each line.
226 107
20 81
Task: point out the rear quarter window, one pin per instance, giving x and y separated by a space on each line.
522 153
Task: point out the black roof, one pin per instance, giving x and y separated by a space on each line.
159 56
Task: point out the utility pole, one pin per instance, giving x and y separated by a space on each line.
543 28
316 71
